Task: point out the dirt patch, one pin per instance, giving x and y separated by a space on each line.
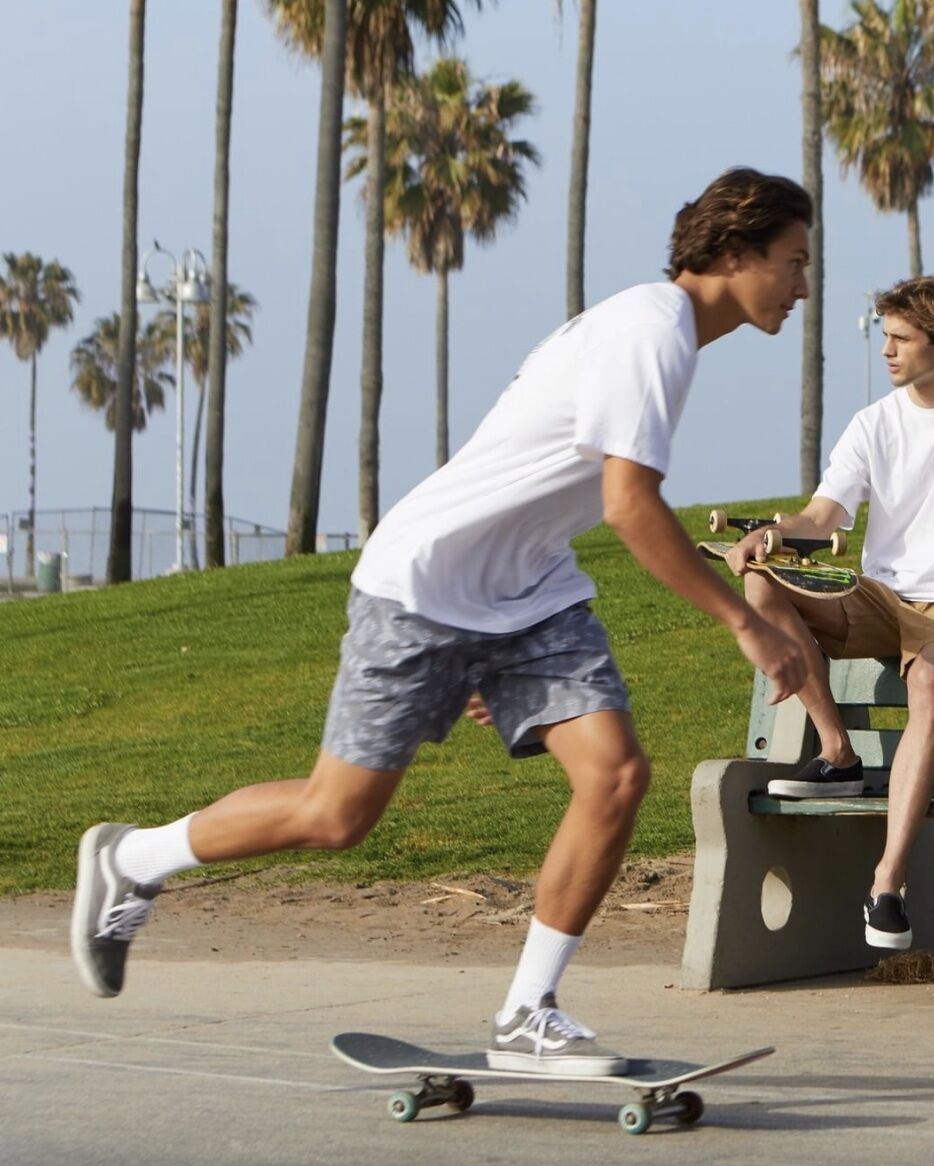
908 967
473 920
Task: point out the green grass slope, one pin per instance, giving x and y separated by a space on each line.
143 702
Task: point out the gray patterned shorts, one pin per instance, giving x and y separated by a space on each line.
404 680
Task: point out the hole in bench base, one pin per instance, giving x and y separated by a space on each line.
776 898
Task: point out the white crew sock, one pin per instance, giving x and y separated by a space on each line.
151 856
544 957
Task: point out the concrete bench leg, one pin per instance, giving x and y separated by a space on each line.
753 870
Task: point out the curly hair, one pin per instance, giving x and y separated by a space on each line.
913 300
741 210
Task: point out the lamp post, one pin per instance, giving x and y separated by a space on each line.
189 283
865 326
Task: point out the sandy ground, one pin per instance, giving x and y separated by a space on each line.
477 920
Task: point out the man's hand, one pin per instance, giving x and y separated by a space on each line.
752 546
477 711
776 655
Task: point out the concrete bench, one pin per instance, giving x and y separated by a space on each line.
778 884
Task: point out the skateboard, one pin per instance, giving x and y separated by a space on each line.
443 1078
790 560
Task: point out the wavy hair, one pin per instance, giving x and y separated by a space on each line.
913 300
742 210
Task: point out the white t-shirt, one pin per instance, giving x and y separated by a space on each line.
483 543
886 455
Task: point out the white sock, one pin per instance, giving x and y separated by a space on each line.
151 856
544 957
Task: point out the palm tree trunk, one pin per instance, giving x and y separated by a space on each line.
371 375
812 371
217 348
193 484
441 370
309 441
31 533
580 150
119 559
914 240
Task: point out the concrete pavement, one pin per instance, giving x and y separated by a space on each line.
223 1063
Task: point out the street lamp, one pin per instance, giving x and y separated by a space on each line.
865 326
189 283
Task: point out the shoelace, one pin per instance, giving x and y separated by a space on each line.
544 1018
126 918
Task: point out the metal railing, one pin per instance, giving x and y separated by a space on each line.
82 538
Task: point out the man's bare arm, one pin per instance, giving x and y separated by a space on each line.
634 508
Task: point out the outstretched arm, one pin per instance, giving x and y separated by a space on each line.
634 508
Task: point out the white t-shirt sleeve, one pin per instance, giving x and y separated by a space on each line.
631 391
846 479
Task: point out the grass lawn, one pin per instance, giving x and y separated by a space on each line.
143 702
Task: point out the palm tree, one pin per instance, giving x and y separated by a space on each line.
379 50
877 97
198 350
812 372
580 153
35 297
217 359
452 170
319 335
95 371
119 563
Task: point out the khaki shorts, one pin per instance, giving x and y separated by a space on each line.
879 623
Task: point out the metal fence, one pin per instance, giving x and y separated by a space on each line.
81 537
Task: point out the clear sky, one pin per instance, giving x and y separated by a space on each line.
682 89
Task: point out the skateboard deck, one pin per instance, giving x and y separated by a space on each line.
443 1078
807 576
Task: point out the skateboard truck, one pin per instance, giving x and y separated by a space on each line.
719 521
804 548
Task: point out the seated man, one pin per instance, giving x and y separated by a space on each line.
886 455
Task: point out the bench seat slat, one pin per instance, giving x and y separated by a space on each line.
762 803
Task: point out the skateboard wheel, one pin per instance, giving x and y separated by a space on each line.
838 542
692 1107
773 542
635 1118
462 1096
717 521
403 1106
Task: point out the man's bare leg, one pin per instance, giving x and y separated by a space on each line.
796 615
609 776
911 783
333 809
120 867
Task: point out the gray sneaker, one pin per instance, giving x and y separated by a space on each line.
547 1040
108 910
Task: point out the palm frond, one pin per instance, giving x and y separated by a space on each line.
877 97
451 167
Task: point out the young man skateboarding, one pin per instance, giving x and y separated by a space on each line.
470 584
885 456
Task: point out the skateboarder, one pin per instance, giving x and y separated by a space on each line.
469 583
885 456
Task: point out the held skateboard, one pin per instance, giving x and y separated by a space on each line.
790 560
442 1078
